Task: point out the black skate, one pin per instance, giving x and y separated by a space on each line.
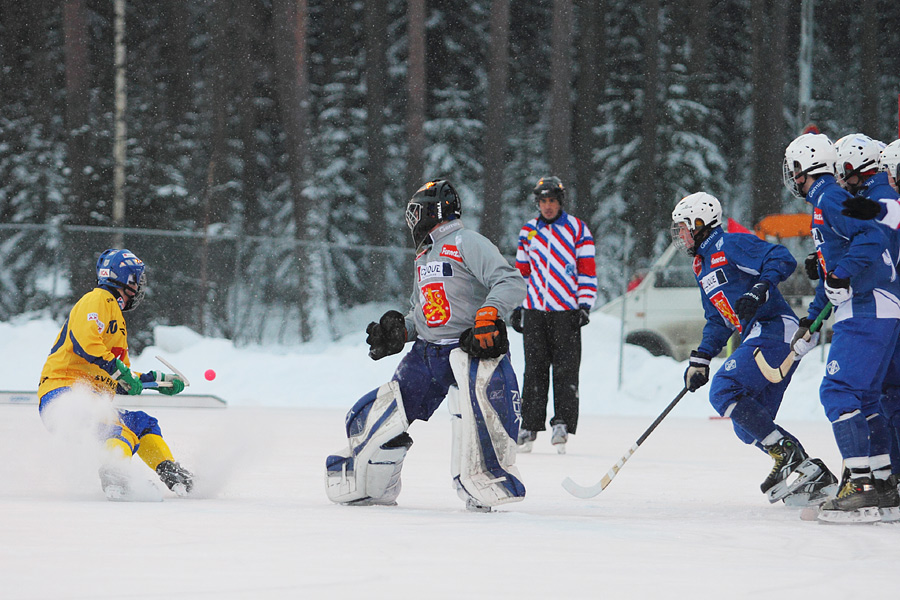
888 499
525 441
856 502
816 491
792 469
177 478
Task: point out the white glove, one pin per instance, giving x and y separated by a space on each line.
804 341
837 290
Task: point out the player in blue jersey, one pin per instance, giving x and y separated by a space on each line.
858 277
738 275
868 169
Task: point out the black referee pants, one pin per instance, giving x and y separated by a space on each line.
552 342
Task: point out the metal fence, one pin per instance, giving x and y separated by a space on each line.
250 289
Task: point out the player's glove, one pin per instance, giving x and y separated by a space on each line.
804 341
488 339
130 384
811 266
517 319
584 315
697 373
747 305
838 290
864 209
386 337
177 383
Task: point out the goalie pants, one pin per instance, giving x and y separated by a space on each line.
552 340
425 377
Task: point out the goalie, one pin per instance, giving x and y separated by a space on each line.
463 286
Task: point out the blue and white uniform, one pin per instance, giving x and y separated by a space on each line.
866 326
727 265
878 187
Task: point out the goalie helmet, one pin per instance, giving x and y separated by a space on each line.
693 219
122 270
809 154
550 187
857 154
433 203
889 159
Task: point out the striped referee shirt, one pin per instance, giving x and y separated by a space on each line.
557 260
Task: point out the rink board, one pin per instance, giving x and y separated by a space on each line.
149 401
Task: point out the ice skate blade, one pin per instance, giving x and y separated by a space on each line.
868 514
807 471
560 448
890 515
472 506
807 499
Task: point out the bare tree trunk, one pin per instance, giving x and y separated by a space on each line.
559 136
648 187
118 212
247 74
768 19
495 130
869 70
415 119
176 54
376 102
77 91
589 89
290 18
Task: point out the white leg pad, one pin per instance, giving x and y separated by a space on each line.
485 410
368 470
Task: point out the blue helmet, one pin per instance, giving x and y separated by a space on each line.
123 270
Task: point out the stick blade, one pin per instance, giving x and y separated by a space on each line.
580 491
771 373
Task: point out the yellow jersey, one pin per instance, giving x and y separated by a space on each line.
86 349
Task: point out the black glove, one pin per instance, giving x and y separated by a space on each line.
584 315
697 373
749 303
858 207
472 346
811 265
517 319
387 336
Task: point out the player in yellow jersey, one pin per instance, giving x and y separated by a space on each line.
91 351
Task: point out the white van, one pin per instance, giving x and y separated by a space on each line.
663 312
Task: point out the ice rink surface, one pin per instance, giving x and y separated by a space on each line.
683 519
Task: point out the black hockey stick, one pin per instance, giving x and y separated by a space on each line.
777 374
589 492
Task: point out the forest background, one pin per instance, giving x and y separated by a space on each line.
258 155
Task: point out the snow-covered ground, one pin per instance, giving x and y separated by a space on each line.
683 519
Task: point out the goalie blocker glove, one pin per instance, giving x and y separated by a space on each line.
386 337
697 373
488 339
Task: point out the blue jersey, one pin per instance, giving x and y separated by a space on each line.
877 187
727 265
855 249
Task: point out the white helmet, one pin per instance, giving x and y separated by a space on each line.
889 159
857 154
809 154
698 213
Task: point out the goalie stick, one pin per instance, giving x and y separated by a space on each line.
777 374
589 492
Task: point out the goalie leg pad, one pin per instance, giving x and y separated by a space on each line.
368 470
486 411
